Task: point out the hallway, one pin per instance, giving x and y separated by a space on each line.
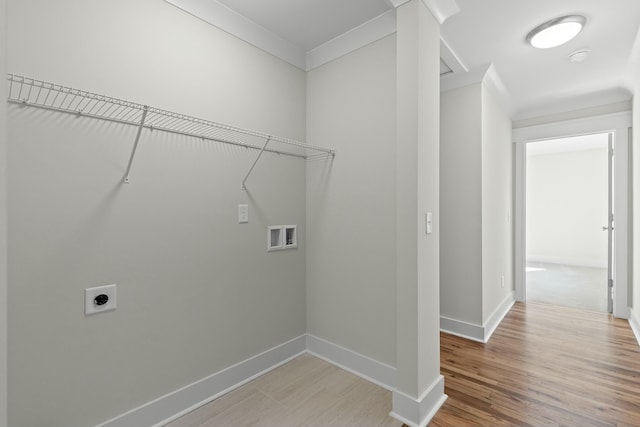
544 365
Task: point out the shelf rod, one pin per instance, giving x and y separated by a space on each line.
254 163
135 144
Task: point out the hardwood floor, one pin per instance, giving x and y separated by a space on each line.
544 366
304 392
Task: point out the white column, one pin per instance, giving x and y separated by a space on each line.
420 388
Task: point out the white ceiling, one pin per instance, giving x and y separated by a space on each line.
484 35
542 81
309 23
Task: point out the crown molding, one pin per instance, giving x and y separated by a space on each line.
494 83
229 21
451 59
441 9
220 16
369 32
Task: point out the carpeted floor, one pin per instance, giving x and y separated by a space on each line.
566 285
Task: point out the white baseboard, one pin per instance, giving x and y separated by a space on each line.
498 314
184 400
363 366
475 332
418 412
577 262
462 329
634 321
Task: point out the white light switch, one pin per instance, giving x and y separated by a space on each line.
243 214
429 221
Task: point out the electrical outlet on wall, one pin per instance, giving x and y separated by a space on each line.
99 299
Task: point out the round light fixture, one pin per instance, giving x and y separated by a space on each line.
556 31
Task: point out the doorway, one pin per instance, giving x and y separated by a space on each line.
569 188
617 123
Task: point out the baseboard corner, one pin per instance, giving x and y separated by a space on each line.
184 400
634 322
496 317
418 412
358 364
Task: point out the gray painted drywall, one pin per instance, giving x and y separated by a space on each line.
351 202
197 292
497 202
3 217
461 204
476 200
417 192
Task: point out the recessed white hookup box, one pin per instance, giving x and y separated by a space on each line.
282 237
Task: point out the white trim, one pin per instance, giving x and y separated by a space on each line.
451 58
474 332
228 20
173 405
369 32
578 262
180 402
462 329
418 412
617 122
220 16
363 366
494 83
520 213
634 322
442 9
496 317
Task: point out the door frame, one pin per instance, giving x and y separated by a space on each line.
619 124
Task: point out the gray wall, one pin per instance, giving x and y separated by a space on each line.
417 192
476 200
461 204
351 202
197 292
497 202
3 218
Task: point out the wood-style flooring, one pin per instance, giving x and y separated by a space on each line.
304 392
544 366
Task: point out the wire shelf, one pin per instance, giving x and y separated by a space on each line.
51 96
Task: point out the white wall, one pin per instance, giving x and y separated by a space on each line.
351 202
196 291
461 204
3 218
497 202
567 207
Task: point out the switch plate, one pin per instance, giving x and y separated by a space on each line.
502 281
429 222
90 295
243 214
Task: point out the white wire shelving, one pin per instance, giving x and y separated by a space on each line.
31 92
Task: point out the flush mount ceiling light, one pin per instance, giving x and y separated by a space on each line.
556 31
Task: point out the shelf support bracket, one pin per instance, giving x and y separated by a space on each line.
145 109
254 163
